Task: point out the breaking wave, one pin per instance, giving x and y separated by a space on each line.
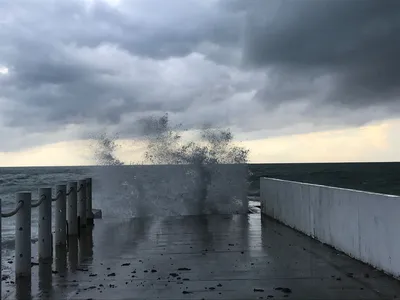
182 172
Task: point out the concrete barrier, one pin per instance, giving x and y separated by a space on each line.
363 225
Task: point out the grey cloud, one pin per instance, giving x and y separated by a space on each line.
150 28
35 33
109 66
356 42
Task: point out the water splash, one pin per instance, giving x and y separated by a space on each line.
104 151
204 175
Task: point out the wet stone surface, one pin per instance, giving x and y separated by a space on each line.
200 257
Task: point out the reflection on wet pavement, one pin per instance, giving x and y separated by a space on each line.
202 257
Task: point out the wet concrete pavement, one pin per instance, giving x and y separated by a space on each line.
202 257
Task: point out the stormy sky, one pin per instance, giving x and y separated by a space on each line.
69 68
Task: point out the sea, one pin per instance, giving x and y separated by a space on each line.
375 177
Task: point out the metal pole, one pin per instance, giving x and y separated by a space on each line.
23 236
72 209
89 207
61 215
82 203
45 236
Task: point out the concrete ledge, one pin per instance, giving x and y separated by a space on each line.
361 224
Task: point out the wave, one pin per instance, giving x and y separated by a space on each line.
206 175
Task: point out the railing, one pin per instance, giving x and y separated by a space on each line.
79 202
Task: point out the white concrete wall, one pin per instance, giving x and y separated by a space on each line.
364 225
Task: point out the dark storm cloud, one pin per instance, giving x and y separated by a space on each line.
92 63
355 42
34 35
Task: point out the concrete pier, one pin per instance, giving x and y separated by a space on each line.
202 257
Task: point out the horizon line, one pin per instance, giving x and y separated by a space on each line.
248 163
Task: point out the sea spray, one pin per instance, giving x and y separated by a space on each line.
207 174
104 150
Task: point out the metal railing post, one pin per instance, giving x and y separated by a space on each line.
89 207
82 203
23 236
45 235
61 216
72 209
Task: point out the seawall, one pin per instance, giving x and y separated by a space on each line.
363 225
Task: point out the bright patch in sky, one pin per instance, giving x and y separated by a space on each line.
110 2
374 142
3 70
